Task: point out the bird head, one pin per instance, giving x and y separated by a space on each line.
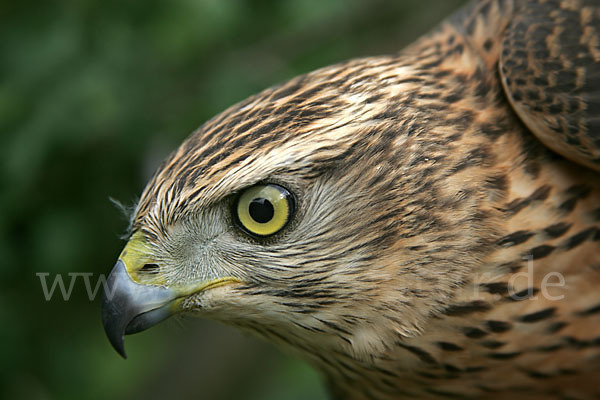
320 214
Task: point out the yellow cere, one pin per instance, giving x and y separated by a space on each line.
135 253
281 209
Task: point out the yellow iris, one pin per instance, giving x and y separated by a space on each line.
264 210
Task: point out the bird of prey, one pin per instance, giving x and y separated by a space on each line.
420 225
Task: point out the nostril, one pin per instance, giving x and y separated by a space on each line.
150 269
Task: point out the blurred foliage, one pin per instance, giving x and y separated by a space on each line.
94 95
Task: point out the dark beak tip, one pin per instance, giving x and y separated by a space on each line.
121 350
114 334
114 315
119 345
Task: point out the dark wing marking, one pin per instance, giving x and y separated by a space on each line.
550 69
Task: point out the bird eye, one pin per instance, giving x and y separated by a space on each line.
263 210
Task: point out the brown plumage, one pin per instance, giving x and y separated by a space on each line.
437 248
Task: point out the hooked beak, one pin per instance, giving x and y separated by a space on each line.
129 307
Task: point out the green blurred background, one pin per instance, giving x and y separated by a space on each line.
93 95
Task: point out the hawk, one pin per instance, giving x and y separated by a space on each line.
420 225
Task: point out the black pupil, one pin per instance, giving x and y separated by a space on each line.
261 210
